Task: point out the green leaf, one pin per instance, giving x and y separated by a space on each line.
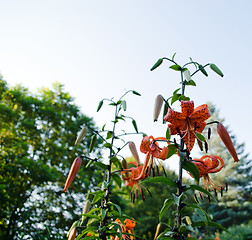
175 97
168 135
200 137
191 168
210 224
175 67
191 83
99 105
165 180
92 143
177 198
201 189
157 64
184 98
182 155
101 165
171 150
136 93
176 91
107 145
103 213
191 238
117 207
124 104
216 69
173 56
166 205
116 162
117 179
109 134
135 125
203 70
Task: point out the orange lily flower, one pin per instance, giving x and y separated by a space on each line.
209 164
150 147
129 225
188 122
73 172
130 175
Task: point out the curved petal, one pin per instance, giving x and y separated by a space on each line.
187 108
145 146
164 153
201 112
174 117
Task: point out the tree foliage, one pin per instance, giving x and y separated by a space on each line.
37 138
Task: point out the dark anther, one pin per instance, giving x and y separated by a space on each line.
209 133
215 192
176 145
149 192
133 200
164 171
158 171
147 170
226 186
221 191
209 199
137 193
143 197
131 196
179 132
195 126
201 196
196 198
206 146
153 171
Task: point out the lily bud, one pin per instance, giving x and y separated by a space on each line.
157 231
86 209
81 135
73 172
72 234
157 108
125 166
134 152
223 133
187 75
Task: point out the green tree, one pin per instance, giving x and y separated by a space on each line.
36 151
235 207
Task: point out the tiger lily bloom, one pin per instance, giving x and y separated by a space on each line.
73 172
188 122
209 164
150 147
129 175
126 228
223 133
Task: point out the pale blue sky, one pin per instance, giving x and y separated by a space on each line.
97 49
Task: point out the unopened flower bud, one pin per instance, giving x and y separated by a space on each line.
157 231
73 172
157 108
134 152
86 209
223 133
81 135
72 234
187 75
125 166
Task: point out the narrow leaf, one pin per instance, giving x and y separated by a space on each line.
168 135
201 189
165 111
165 180
117 179
191 168
101 165
166 205
175 67
174 98
200 137
177 199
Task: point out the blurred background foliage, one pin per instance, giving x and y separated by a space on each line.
37 149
